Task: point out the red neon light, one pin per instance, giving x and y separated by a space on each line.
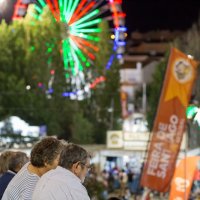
84 42
80 6
115 1
56 5
39 84
115 15
86 51
52 72
121 14
85 10
18 5
97 81
118 1
51 6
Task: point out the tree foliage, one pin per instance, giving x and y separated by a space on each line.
29 50
154 91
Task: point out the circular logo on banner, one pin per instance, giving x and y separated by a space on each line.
181 184
183 71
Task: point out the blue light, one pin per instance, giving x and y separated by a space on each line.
119 56
120 43
50 91
123 29
110 62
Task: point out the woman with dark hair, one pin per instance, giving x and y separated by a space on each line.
44 156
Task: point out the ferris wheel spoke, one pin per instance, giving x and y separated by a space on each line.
85 18
87 24
67 57
85 43
51 6
85 50
78 52
42 3
71 11
85 36
83 12
80 6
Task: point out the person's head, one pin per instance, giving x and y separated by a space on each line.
17 160
75 159
46 153
4 159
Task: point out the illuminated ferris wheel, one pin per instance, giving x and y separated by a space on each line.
80 19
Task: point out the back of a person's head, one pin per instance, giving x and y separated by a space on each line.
45 151
71 154
17 160
4 160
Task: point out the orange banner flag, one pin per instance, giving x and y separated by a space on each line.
183 178
170 121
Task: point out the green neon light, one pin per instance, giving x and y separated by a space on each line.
61 10
66 54
87 64
73 56
67 75
65 6
191 111
91 30
49 60
69 7
49 50
32 48
72 10
83 19
96 21
38 9
68 57
42 3
88 37
78 64
60 3
79 52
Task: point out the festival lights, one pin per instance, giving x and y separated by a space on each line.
79 20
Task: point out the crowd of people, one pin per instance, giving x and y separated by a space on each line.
57 170
123 182
54 170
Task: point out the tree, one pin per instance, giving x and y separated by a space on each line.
30 49
154 91
12 67
103 108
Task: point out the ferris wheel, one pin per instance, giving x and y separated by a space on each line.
80 19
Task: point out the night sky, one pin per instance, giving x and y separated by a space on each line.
145 15
148 15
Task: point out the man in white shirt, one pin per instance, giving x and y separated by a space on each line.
65 182
44 156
